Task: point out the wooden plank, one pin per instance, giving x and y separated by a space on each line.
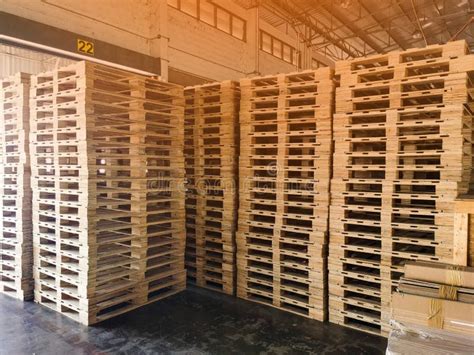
461 239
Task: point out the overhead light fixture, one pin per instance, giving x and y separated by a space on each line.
416 35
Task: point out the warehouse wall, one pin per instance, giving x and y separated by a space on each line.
268 64
194 49
201 49
271 65
14 60
126 26
198 48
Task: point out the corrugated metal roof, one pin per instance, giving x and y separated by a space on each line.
347 28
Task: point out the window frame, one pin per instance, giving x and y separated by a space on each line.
293 51
231 15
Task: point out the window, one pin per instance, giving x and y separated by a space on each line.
223 20
277 48
295 57
266 43
206 13
189 7
213 15
238 27
287 53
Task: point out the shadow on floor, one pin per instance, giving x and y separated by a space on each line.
196 321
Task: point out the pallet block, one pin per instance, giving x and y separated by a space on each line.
464 231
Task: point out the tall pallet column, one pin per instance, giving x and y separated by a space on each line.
199 171
16 243
59 162
165 195
112 262
307 106
280 187
285 171
258 169
95 252
403 132
430 160
138 163
223 209
190 156
215 147
358 189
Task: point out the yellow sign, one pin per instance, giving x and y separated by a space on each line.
85 47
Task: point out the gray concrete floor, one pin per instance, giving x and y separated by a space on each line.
196 321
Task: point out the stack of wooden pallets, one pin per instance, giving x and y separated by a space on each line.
16 245
212 148
108 197
403 152
284 174
158 144
190 161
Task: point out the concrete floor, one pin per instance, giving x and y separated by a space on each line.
196 321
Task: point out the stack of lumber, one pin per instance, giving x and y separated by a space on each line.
403 139
434 297
16 244
211 135
284 173
108 200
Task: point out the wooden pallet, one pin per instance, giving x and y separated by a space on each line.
285 163
211 168
403 133
108 200
16 256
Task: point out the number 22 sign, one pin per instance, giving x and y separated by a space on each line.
85 47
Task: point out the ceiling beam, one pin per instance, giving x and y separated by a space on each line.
458 32
315 26
338 15
383 25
